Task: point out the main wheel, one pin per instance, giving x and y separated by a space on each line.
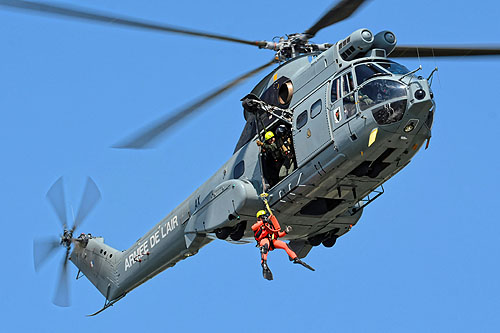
222 233
330 241
237 234
316 239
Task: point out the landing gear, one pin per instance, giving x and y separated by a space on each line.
327 239
223 233
330 241
238 231
316 240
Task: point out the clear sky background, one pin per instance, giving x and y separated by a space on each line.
423 258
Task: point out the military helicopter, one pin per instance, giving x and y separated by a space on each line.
352 118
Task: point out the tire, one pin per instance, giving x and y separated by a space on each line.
222 233
239 232
316 240
329 242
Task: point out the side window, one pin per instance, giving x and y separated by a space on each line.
239 169
316 108
347 84
335 94
348 94
301 120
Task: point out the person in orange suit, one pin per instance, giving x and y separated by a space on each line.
267 232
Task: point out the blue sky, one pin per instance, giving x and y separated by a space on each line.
424 256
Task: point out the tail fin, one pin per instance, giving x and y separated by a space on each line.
98 262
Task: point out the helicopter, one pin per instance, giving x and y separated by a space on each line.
318 199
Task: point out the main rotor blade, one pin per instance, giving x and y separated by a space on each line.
342 10
90 198
43 249
55 195
146 137
61 296
439 51
89 15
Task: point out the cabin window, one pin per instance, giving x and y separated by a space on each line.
367 71
335 94
316 108
239 169
301 120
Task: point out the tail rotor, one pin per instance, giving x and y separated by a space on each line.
45 248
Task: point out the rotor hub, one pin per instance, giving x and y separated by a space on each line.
67 238
292 45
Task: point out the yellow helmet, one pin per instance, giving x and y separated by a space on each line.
269 135
260 213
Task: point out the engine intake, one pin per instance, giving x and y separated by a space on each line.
385 40
360 41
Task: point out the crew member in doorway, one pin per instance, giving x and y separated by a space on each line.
273 156
285 143
267 230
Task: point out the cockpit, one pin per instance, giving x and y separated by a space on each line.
372 88
392 94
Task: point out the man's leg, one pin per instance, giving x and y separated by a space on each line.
264 249
282 245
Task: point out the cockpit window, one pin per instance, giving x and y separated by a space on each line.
335 93
365 72
348 95
378 91
394 68
347 84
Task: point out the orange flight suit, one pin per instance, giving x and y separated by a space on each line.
266 234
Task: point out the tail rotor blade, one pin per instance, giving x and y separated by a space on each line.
43 249
56 197
61 297
90 198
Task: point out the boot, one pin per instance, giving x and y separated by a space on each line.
266 272
298 261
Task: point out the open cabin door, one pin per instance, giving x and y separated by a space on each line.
281 162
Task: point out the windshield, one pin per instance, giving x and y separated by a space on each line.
394 68
378 91
365 72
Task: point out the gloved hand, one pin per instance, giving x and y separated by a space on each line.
288 229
